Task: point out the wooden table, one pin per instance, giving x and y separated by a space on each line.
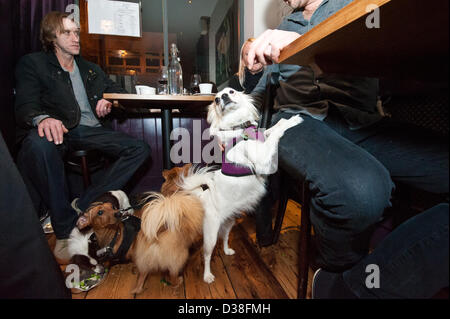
411 43
166 103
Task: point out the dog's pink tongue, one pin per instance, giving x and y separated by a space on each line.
82 221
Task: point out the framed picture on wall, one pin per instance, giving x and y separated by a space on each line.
227 45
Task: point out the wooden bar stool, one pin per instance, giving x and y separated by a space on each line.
85 163
301 195
297 190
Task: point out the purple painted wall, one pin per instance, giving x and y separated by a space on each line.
149 177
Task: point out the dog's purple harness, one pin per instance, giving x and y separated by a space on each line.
234 169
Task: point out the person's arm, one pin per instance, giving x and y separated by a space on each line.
271 40
38 119
280 72
267 47
28 108
258 92
28 94
104 107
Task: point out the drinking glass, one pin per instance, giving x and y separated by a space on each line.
163 81
195 81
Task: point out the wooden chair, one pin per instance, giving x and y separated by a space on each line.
296 189
85 163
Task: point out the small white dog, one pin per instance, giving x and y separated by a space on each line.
240 184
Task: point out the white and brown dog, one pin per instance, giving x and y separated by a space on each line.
80 245
249 157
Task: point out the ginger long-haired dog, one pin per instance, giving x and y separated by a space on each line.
169 226
240 184
172 179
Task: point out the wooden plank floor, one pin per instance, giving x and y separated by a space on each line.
252 272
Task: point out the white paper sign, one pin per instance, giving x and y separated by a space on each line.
114 18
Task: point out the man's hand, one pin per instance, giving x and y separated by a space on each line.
103 108
52 129
266 48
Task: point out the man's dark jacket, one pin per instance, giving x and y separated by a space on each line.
43 87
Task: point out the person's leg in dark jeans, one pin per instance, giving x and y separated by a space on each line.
414 260
411 262
41 163
412 155
350 189
27 266
130 154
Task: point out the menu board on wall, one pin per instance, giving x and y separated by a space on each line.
114 18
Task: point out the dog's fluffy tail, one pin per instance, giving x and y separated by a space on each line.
195 178
179 212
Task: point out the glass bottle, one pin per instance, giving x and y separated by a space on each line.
175 72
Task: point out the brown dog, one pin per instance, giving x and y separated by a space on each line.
169 226
172 178
105 220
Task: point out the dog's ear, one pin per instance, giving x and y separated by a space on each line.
165 173
170 174
83 222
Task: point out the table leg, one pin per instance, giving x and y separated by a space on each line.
166 128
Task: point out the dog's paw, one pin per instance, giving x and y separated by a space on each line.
208 278
229 251
293 121
137 290
269 131
176 282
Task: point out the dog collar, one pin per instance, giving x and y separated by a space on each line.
233 169
131 226
240 126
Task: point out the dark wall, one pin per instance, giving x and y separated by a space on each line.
19 35
6 75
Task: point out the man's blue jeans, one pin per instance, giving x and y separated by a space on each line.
351 173
411 262
42 167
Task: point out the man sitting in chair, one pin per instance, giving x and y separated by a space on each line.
59 106
350 156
